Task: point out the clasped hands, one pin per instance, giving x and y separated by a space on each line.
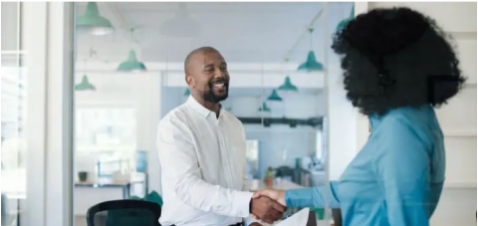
268 205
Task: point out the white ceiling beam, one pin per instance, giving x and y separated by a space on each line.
179 66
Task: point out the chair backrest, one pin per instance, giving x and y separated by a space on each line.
124 213
4 210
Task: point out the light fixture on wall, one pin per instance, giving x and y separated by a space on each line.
131 64
187 92
264 107
345 21
311 64
84 85
288 86
274 96
92 22
182 25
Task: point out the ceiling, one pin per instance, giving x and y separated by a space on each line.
243 32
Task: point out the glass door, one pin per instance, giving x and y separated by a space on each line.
13 115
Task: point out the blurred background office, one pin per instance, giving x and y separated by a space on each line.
90 136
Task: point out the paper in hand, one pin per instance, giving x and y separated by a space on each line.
298 219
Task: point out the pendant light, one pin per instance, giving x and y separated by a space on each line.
345 21
92 22
264 107
131 64
274 96
288 86
187 92
182 25
311 63
84 85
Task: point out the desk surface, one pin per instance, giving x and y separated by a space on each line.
257 185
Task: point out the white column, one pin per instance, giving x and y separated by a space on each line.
48 33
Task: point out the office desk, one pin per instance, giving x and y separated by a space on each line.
257 185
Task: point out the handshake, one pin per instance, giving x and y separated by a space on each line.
268 205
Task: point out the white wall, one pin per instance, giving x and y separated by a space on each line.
458 118
140 91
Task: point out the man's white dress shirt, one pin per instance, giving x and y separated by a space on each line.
203 167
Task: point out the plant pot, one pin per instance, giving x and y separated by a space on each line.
82 176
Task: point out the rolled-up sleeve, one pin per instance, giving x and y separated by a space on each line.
402 168
314 197
179 164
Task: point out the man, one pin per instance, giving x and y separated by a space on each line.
202 153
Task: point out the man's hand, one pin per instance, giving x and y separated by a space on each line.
266 209
277 195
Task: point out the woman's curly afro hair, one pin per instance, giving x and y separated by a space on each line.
396 58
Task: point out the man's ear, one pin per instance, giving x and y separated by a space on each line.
189 81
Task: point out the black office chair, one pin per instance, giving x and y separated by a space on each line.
124 213
4 209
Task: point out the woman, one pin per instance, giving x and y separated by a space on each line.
397 66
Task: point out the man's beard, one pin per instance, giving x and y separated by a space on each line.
213 98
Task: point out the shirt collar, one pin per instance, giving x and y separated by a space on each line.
199 108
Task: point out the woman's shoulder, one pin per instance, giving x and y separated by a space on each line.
405 124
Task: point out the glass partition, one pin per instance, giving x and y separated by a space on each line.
14 115
131 66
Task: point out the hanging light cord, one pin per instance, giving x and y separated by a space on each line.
311 30
311 25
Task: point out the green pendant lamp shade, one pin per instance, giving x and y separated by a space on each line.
84 85
264 107
311 64
345 21
92 22
131 64
187 92
274 96
288 86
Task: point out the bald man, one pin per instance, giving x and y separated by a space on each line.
202 152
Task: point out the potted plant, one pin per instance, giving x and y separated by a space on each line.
269 177
82 176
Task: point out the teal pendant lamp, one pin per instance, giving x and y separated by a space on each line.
274 96
264 107
84 85
92 22
311 64
344 22
187 92
131 64
288 86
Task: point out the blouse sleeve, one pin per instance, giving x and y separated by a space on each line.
314 197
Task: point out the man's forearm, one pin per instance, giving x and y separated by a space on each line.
199 194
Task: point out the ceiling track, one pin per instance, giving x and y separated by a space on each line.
306 31
119 15
123 21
